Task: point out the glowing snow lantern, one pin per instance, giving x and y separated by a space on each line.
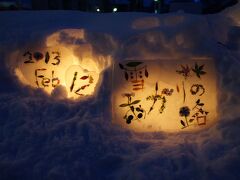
62 63
165 95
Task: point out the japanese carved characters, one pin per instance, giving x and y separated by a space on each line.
135 72
82 82
164 95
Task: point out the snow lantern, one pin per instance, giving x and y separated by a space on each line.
165 95
58 64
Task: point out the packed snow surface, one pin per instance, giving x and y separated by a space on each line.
44 137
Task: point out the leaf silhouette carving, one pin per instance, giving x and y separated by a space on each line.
136 102
123 105
198 70
183 123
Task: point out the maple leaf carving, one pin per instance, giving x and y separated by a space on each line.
198 70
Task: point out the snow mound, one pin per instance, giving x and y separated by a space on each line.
146 23
42 137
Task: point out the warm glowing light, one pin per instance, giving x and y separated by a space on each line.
44 68
81 82
165 95
67 61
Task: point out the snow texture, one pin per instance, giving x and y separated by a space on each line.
46 138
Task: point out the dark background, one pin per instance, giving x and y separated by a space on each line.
151 6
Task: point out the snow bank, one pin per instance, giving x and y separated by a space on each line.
42 137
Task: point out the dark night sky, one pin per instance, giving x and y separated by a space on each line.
146 2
